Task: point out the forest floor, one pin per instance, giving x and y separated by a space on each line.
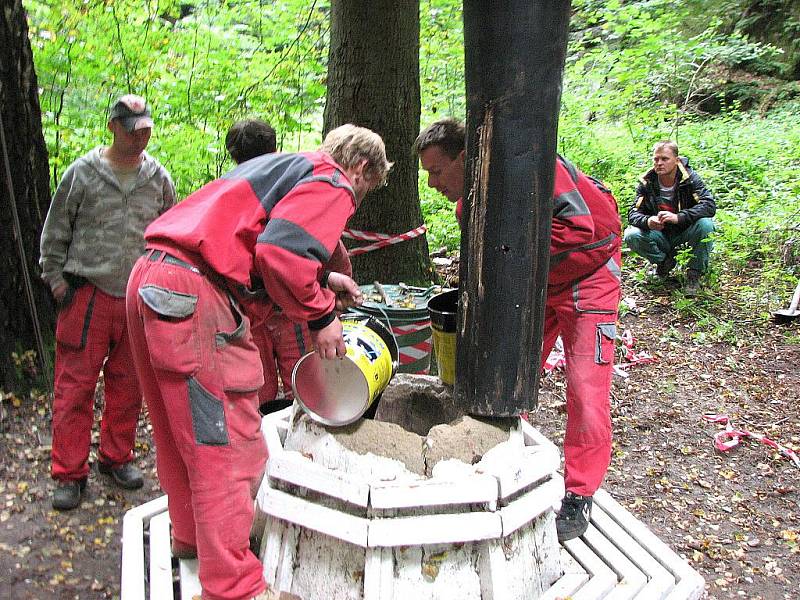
734 516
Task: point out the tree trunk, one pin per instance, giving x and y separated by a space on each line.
27 161
373 81
514 61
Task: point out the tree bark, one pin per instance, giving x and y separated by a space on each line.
27 159
373 81
514 61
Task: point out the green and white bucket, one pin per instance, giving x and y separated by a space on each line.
406 314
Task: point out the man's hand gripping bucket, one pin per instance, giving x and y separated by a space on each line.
339 391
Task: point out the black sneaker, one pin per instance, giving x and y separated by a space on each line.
692 286
665 267
126 476
67 494
573 518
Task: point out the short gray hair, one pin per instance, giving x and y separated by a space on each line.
348 145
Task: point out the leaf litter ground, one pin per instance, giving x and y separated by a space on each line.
733 515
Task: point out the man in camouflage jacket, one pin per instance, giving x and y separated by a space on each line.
93 234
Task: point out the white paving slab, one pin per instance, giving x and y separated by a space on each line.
161 556
618 558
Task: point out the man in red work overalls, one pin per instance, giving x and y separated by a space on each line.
256 238
583 295
280 341
93 234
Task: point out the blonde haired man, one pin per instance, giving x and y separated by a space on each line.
256 238
280 341
672 207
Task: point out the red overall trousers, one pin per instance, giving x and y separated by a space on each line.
90 328
200 373
584 313
281 343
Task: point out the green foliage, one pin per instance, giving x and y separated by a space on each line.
636 72
443 95
439 213
775 22
441 60
201 66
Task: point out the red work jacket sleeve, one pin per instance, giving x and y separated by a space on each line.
302 232
340 261
572 221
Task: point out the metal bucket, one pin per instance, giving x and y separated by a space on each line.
339 391
406 314
443 309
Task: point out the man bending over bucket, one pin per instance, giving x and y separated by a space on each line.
582 301
256 238
280 341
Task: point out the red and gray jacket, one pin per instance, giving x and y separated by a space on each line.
265 231
586 228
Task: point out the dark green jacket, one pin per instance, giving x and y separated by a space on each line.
693 199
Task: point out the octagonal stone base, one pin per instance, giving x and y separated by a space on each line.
349 524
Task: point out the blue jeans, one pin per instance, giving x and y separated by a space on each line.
655 246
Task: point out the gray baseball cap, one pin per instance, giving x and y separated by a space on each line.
132 111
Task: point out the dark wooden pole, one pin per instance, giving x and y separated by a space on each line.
514 59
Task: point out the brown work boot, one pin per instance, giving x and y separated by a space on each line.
692 286
664 268
270 594
183 551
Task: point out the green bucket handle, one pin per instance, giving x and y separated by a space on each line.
420 291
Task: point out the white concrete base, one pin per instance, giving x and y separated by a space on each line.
147 572
359 526
617 558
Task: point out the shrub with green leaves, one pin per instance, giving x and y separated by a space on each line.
636 72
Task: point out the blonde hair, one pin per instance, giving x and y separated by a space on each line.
666 145
348 145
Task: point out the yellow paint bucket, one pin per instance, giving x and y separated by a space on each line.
339 391
443 309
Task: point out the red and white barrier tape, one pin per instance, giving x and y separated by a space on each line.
381 240
631 358
730 437
557 360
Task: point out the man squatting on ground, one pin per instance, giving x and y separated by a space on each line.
583 295
93 233
672 208
280 342
256 238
